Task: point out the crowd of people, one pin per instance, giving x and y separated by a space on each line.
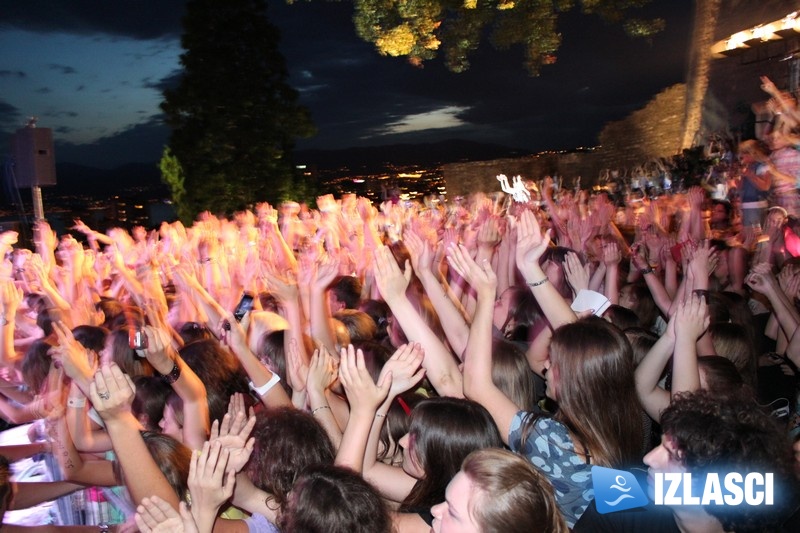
415 367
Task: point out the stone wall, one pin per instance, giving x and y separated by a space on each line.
651 132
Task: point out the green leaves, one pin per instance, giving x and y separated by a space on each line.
422 29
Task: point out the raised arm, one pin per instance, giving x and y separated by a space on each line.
111 393
531 244
450 315
478 384
439 362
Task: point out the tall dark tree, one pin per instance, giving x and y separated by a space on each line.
234 117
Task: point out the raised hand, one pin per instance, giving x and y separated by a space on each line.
232 433
404 366
326 271
691 318
71 355
111 392
363 394
392 282
420 251
577 274
531 242
322 372
210 482
154 515
481 277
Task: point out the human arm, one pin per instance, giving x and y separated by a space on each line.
439 363
691 322
478 384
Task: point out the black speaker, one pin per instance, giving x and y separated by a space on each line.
34 158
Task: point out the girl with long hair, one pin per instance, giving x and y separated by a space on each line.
589 374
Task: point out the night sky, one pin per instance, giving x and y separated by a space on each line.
93 71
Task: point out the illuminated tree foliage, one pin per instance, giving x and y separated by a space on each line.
234 117
422 29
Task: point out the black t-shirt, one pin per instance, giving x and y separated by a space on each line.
650 519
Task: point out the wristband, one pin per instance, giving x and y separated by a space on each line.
265 388
76 403
537 283
328 407
173 375
645 271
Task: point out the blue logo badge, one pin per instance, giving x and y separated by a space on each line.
616 490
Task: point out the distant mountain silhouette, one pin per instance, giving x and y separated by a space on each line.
377 157
72 178
80 179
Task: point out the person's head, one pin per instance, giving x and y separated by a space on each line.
344 293
512 374
591 364
622 317
220 372
360 325
719 375
443 431
638 298
704 432
148 403
272 352
516 309
118 350
333 499
193 331
497 491
751 151
286 442
91 337
642 340
173 458
721 212
552 262
379 312
36 365
732 342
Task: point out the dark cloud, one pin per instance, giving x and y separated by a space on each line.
139 143
80 88
63 69
135 19
64 130
170 81
44 90
12 74
61 114
8 113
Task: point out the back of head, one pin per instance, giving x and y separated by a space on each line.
595 363
125 356
332 499
347 290
91 337
148 403
512 374
173 458
642 340
359 324
443 432
513 496
286 442
720 434
36 365
622 317
219 370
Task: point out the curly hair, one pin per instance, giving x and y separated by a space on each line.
714 433
333 499
286 442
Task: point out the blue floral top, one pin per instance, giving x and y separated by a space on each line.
550 449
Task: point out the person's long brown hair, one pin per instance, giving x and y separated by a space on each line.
597 399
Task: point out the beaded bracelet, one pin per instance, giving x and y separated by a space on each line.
537 283
320 407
